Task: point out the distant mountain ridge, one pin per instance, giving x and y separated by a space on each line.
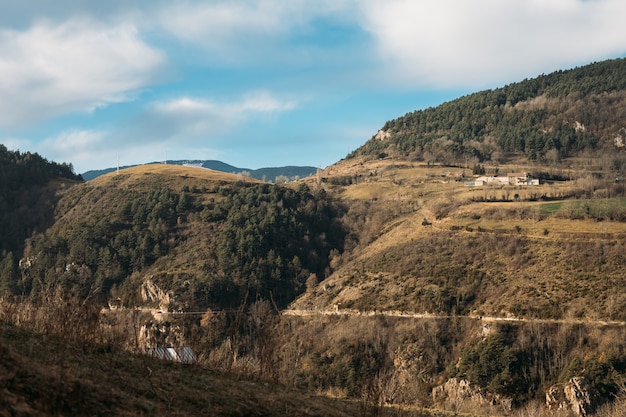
265 174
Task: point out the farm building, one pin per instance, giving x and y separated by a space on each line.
514 178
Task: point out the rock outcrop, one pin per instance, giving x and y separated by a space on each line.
152 294
455 392
575 395
382 135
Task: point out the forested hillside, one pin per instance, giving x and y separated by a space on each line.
210 242
28 187
546 118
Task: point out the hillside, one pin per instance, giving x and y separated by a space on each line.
434 241
226 237
189 257
428 243
44 376
546 118
413 264
29 187
439 277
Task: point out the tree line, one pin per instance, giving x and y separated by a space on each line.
23 169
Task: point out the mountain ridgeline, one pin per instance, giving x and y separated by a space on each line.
273 174
546 118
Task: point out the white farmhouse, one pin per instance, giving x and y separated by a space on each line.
514 178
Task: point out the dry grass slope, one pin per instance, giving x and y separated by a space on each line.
42 376
428 243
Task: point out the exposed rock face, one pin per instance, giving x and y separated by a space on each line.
382 135
455 392
27 262
151 293
575 395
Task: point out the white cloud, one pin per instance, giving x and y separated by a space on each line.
187 116
75 141
80 147
262 102
187 107
452 43
214 22
254 102
78 65
184 117
83 148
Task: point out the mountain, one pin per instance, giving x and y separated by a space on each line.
545 118
440 254
225 236
264 174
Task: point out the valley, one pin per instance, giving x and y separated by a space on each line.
413 291
413 277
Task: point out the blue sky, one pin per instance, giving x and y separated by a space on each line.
267 82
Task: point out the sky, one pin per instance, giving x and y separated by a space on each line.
268 82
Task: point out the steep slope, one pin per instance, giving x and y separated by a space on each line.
204 238
46 376
427 243
510 288
28 184
545 118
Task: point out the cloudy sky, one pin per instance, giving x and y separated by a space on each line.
266 82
